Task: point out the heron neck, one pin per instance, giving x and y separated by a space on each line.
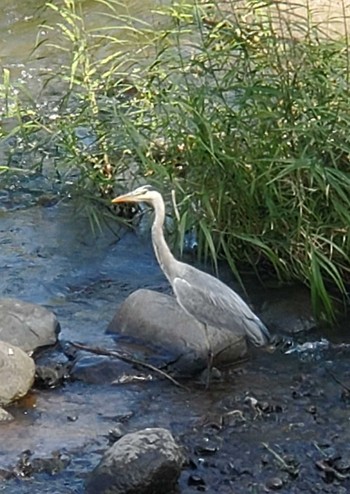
164 256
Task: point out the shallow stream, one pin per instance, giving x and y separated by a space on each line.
277 422
272 406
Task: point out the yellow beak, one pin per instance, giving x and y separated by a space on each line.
123 198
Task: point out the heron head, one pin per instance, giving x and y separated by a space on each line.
145 193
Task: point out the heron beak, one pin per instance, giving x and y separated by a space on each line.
123 198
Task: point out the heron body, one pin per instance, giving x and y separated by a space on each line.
200 295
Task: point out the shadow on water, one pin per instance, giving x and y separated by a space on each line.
268 423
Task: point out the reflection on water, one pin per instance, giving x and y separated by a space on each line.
19 23
23 25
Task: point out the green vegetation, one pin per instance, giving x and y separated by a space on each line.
244 115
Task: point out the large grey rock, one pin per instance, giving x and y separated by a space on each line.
28 326
143 462
16 373
156 319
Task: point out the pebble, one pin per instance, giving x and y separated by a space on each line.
275 483
116 433
195 480
207 447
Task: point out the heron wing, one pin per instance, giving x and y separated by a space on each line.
213 303
208 306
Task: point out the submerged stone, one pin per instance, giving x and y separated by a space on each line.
97 369
289 310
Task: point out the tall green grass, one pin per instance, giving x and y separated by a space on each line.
254 136
244 113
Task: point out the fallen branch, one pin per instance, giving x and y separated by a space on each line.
126 358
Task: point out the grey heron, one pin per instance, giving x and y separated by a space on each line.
199 294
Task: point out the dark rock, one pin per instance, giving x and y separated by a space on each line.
28 326
156 320
289 310
51 465
345 396
28 464
116 433
5 474
16 373
123 417
97 369
143 462
206 447
195 480
72 418
24 467
50 376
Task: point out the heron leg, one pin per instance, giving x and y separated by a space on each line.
210 355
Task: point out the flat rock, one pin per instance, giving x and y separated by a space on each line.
144 462
157 321
28 326
97 369
17 372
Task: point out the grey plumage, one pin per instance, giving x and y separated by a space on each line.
201 295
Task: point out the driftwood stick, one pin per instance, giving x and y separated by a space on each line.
126 358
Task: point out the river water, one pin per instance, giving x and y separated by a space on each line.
48 255
30 23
